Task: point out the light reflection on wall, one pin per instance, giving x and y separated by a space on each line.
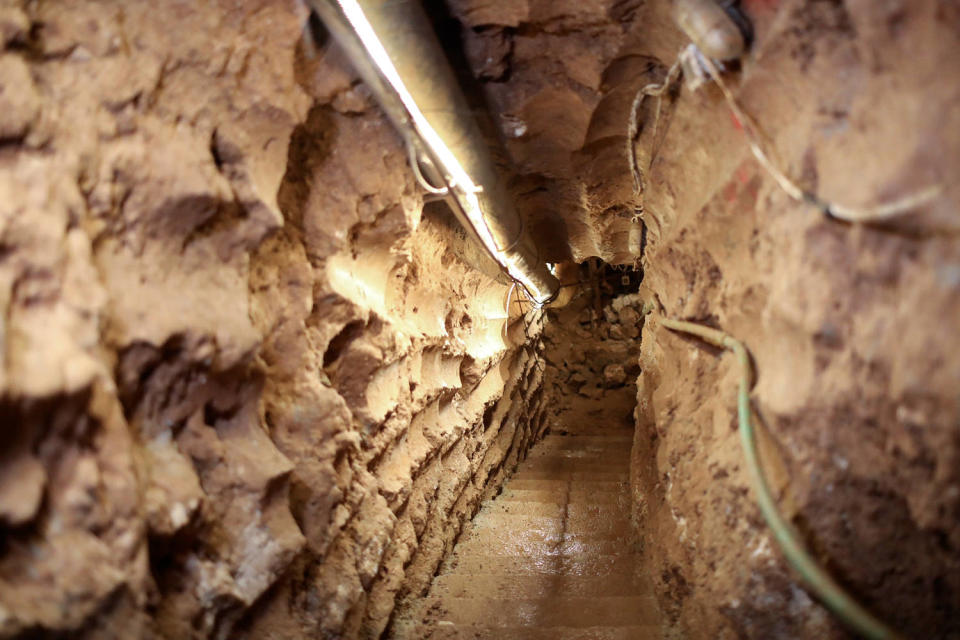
373 279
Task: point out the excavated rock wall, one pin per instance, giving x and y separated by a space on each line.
853 328
590 365
247 389
559 77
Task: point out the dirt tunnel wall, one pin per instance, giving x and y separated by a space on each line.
249 390
852 327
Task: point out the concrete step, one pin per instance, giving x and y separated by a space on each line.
579 463
561 496
533 546
594 429
554 556
539 586
567 466
512 523
545 508
455 632
578 446
574 463
592 455
598 436
567 475
616 454
598 566
582 485
583 522
553 508
488 612
617 441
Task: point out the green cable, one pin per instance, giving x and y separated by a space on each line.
829 592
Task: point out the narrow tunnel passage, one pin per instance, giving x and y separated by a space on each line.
256 380
552 557
557 554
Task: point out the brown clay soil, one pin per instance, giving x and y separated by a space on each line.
853 327
250 387
556 554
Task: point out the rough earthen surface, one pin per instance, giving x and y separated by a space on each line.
559 80
556 553
247 390
852 327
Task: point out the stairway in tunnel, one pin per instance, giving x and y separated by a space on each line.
555 554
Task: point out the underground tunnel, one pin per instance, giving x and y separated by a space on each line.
566 319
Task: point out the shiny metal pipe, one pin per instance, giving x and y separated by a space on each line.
395 50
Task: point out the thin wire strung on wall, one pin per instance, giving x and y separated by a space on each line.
600 280
653 90
523 314
540 309
702 21
393 48
790 540
613 280
755 140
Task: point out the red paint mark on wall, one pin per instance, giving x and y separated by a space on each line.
743 186
730 191
736 122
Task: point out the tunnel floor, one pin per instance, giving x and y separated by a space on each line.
555 554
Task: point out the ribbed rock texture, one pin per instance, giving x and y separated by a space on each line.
247 389
559 78
556 554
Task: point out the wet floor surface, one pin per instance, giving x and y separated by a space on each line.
553 556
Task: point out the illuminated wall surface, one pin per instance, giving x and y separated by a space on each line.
249 389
